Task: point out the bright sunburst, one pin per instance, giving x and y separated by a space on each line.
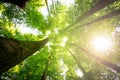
101 43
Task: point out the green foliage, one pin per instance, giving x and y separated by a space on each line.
62 63
36 20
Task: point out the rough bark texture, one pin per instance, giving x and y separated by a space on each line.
20 3
13 52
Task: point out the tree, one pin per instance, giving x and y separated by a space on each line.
13 51
94 9
66 61
109 15
104 62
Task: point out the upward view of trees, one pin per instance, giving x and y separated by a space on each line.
59 43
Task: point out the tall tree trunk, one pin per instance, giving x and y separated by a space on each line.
13 51
46 68
54 9
87 77
109 15
100 5
101 60
47 7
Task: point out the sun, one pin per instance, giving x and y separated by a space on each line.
101 43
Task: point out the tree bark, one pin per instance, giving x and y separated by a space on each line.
109 15
47 7
12 52
102 61
54 9
46 68
100 5
87 77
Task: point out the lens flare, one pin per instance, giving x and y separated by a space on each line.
101 43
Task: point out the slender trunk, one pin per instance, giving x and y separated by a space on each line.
12 52
100 5
49 19
109 15
46 68
79 65
87 77
47 7
103 61
54 7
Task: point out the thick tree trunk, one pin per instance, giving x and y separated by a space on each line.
13 51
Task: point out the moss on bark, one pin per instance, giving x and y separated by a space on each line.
13 52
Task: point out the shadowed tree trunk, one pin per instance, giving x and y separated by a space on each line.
86 76
102 61
46 68
109 15
13 51
100 5
54 9
19 3
47 7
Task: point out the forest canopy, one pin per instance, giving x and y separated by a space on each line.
59 39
